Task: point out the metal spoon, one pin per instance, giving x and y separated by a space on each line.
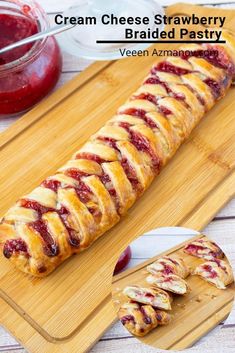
49 32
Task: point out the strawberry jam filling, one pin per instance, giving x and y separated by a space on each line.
142 144
158 316
156 81
51 184
194 249
165 111
220 265
165 66
131 174
146 318
167 269
126 319
214 86
15 246
109 140
146 96
149 295
140 113
73 236
210 270
173 261
90 156
83 191
51 248
75 173
36 206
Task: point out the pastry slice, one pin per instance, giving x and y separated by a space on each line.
140 319
169 265
171 283
152 296
217 272
204 249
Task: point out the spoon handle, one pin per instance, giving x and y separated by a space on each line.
49 32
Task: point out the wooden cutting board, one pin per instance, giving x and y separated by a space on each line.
193 315
71 309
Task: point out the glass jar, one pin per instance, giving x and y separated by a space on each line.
29 73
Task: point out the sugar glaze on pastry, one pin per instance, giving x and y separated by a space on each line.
89 194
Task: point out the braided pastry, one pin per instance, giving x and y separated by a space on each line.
168 265
216 272
171 283
152 296
205 249
140 319
89 194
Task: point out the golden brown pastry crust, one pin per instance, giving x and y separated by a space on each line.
204 248
140 319
216 272
169 265
87 196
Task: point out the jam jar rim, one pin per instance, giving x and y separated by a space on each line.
36 49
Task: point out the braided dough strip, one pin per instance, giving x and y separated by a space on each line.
87 196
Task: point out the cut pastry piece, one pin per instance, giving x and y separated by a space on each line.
217 272
140 319
171 283
153 296
204 249
169 265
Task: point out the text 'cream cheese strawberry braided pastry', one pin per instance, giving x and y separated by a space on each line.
89 194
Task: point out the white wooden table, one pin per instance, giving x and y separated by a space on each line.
221 229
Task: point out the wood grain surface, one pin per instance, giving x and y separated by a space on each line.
73 65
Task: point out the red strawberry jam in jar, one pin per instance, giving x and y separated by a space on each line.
30 72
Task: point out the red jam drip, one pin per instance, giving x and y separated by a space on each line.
217 57
214 86
126 319
124 125
109 140
149 295
75 173
165 111
130 173
146 318
83 191
158 316
73 235
164 66
146 96
51 184
51 248
173 261
210 270
140 113
220 265
200 99
15 246
167 269
142 144
12 29
34 205
156 81
194 248
90 157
